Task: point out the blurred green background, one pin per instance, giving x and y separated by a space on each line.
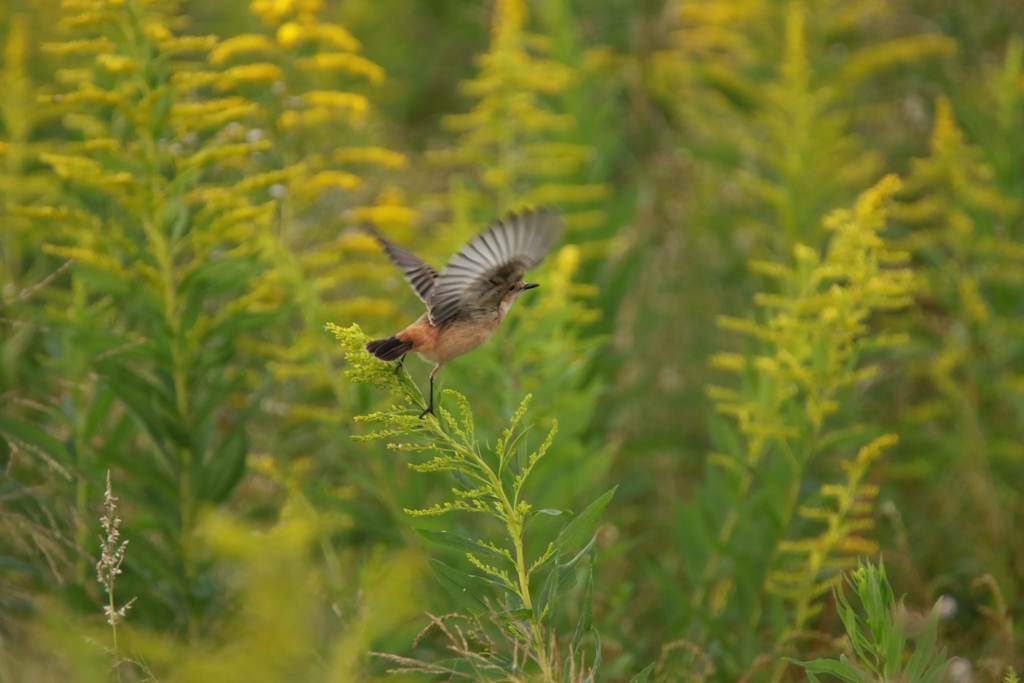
777 389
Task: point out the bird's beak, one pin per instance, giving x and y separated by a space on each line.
530 285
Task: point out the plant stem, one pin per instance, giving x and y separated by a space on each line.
514 523
112 617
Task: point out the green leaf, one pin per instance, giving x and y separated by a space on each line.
470 590
37 442
645 674
549 591
162 109
461 544
98 412
579 532
518 615
585 623
225 468
832 667
149 403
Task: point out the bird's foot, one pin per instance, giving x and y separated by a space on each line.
428 411
399 364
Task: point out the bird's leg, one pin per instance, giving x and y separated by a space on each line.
430 405
398 366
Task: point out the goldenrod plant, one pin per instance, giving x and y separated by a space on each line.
751 571
321 137
808 568
184 192
154 207
772 65
961 222
514 146
31 532
515 578
334 179
514 149
769 110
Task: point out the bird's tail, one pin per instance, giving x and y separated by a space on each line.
389 349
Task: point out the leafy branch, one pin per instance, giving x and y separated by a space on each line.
878 638
491 482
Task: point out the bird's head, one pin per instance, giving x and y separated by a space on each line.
513 292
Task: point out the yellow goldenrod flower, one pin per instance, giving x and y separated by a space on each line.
203 115
116 64
342 61
249 73
86 20
157 32
289 34
332 35
272 11
191 79
331 179
85 256
567 260
216 154
293 33
239 45
383 215
315 117
336 99
187 44
377 156
84 46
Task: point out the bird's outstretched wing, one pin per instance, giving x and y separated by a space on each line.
417 272
480 274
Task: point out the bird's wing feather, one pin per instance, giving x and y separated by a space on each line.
417 273
481 272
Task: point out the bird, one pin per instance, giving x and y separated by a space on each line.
468 299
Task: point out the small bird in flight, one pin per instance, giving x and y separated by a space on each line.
469 298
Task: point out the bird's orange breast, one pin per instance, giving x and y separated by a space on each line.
443 344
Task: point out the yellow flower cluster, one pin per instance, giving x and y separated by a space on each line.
292 34
515 145
274 11
344 62
315 150
810 344
811 336
248 43
811 567
376 156
775 98
961 224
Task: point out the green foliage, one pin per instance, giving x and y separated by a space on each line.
965 231
752 556
767 69
518 582
273 631
877 633
516 140
772 110
34 549
153 204
183 188
513 149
